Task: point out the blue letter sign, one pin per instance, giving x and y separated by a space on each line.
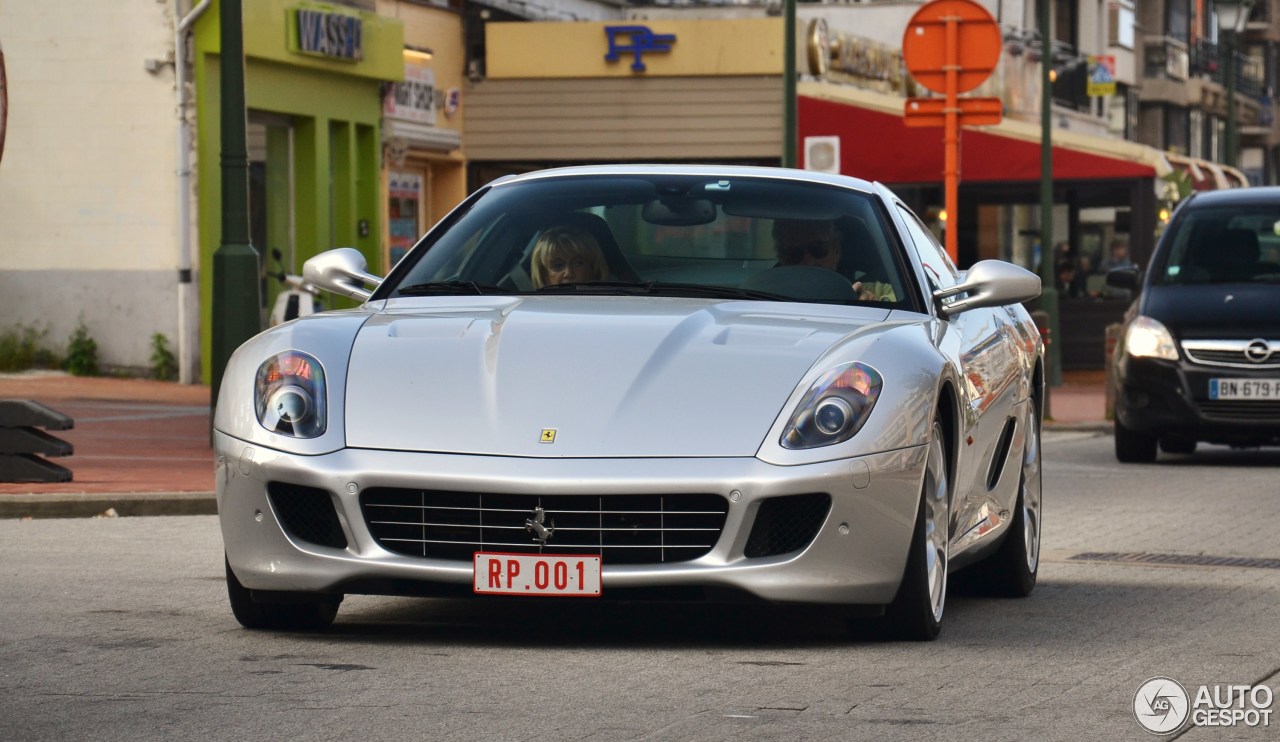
641 39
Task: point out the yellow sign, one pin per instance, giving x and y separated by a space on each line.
648 48
548 435
1102 75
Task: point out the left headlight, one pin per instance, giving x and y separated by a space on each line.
289 395
1147 338
835 407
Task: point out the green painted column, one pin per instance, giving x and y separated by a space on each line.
1048 278
236 294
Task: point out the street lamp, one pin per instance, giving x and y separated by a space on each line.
1232 15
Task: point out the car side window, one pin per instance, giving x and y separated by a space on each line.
937 264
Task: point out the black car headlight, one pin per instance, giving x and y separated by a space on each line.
289 395
835 407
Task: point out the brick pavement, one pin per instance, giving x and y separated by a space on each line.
138 441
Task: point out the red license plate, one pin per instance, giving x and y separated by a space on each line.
558 575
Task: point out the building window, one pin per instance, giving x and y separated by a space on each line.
1177 19
1177 125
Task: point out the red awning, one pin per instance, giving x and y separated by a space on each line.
876 145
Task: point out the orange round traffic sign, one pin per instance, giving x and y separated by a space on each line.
978 43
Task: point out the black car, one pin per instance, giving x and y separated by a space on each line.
1200 354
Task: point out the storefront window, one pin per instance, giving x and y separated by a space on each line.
404 194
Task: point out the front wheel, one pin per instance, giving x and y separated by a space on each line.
1133 447
916 611
303 615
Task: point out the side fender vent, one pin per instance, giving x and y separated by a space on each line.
1001 455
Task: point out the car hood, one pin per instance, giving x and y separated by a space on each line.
1218 311
584 376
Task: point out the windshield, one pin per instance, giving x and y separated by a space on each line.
665 235
1225 244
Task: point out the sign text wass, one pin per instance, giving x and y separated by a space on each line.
325 34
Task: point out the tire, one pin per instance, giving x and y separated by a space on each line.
1011 571
1133 447
916 611
303 615
1178 444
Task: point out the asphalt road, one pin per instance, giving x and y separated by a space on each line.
119 629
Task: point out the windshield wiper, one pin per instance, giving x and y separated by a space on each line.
451 288
658 288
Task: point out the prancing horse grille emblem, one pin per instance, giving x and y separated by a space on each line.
537 525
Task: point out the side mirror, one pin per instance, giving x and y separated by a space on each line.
1123 278
989 283
340 271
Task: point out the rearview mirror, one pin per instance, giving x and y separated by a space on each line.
341 271
989 283
679 212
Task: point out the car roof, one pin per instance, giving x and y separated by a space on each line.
1236 197
739 171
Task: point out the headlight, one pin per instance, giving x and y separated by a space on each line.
1147 338
289 395
835 408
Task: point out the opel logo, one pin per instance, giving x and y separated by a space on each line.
538 526
1258 351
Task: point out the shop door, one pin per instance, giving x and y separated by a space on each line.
271 218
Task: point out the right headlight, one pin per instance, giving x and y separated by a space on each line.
289 395
1147 338
835 408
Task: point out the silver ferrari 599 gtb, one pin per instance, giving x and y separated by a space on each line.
712 383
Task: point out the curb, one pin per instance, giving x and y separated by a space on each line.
1099 426
84 505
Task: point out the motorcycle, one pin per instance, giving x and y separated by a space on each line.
299 299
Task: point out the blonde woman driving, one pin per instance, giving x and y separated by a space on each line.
567 255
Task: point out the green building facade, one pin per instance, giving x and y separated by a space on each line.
313 81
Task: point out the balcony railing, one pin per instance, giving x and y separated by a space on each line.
1207 60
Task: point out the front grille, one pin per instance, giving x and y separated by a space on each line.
307 514
1228 353
787 524
1241 410
623 529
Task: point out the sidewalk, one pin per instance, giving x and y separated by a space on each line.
142 447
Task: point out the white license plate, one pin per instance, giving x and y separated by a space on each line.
1244 389
537 574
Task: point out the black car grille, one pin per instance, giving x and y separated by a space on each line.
307 513
623 529
787 524
1241 410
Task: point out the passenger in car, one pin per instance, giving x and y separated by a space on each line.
566 255
817 243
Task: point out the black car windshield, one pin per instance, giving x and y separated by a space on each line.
1224 244
664 235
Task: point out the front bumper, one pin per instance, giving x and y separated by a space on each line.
857 556
1166 398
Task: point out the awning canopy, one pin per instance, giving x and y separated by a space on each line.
1204 175
877 145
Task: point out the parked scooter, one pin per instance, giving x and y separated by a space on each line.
299 299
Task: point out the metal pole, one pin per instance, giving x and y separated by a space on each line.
1048 276
789 84
1232 146
236 313
951 138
